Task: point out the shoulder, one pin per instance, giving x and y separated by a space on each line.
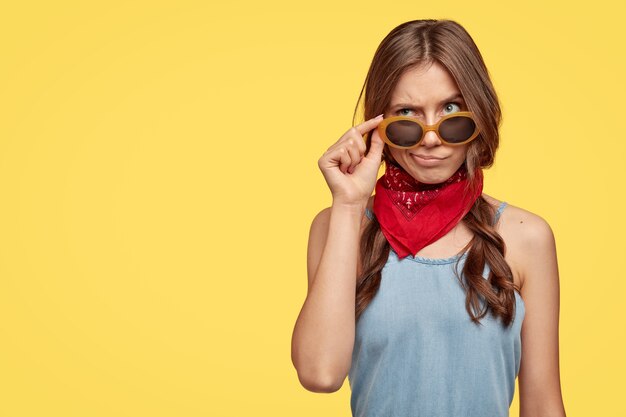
321 217
527 227
528 237
526 224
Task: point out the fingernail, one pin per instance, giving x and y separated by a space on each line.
380 116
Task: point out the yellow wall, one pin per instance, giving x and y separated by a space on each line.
158 177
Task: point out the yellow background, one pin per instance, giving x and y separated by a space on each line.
158 176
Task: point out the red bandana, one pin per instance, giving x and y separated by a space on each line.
412 215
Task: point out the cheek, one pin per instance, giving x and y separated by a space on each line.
397 154
460 153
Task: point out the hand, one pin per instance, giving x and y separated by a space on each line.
350 175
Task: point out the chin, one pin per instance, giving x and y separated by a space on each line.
433 175
431 178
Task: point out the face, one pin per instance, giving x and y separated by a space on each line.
428 93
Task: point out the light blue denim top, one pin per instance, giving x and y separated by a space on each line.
417 353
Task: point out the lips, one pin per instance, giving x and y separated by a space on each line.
430 162
427 156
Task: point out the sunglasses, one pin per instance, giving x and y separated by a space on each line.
406 132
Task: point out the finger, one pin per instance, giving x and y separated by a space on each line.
350 137
368 125
355 157
344 158
356 132
376 147
361 145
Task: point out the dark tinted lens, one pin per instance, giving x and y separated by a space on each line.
457 129
404 132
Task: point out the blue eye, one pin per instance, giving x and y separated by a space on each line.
447 107
454 103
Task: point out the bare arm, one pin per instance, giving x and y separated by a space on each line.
539 380
323 336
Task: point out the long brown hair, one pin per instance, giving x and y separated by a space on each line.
413 44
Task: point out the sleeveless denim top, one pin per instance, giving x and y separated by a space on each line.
418 354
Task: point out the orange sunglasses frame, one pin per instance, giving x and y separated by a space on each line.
382 127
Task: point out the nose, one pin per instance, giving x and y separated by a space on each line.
431 138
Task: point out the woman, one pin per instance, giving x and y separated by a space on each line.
418 293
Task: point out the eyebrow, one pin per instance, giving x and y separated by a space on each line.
414 107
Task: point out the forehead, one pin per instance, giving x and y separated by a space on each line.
424 86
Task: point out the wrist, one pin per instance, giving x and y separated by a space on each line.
356 206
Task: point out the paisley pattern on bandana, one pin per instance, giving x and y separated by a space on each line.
412 215
410 195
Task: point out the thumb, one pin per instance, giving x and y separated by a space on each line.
376 147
